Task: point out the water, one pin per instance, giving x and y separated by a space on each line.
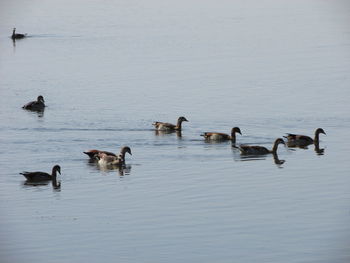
108 70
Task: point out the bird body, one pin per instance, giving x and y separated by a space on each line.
165 126
104 159
109 158
17 35
303 140
260 150
37 105
218 136
42 176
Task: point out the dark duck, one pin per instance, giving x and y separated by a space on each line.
303 140
38 105
42 176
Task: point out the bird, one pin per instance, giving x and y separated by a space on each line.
38 105
217 136
41 176
98 155
105 159
16 35
260 150
303 140
164 126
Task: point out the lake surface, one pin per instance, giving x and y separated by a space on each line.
108 69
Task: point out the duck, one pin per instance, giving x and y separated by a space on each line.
164 126
260 150
97 154
16 35
105 159
303 140
42 176
217 136
38 105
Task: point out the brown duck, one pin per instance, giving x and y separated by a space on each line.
303 140
42 176
97 154
37 105
259 150
217 136
164 126
105 159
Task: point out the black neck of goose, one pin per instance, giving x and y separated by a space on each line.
122 155
14 32
233 136
275 146
317 138
54 172
179 124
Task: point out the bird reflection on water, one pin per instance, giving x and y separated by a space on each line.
122 169
276 160
56 184
165 133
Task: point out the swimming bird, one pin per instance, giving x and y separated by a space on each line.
303 140
41 176
105 159
37 105
259 150
164 126
16 35
217 136
94 154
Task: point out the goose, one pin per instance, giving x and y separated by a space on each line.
217 136
97 154
259 150
164 126
105 159
16 35
42 176
303 140
37 105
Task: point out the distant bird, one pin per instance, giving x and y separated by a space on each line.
98 155
217 136
16 35
259 150
41 176
303 140
164 126
37 105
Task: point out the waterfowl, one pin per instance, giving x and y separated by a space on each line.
94 154
258 150
303 140
41 176
105 159
217 136
16 35
164 126
37 105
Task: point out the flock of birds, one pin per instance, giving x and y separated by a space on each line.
109 159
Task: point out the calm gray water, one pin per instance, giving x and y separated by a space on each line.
108 69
